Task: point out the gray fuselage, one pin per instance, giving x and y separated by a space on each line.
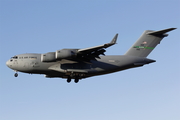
31 63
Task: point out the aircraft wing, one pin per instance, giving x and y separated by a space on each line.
94 52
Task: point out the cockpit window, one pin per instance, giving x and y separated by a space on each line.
15 57
33 57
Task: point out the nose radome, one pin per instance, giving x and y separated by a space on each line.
7 63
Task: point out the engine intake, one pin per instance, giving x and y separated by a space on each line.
65 53
48 57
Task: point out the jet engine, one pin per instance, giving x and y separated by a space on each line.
65 53
48 57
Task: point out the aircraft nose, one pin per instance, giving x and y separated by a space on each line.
8 63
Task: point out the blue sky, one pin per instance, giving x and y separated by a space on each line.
151 92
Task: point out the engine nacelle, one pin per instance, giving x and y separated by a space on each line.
65 54
48 57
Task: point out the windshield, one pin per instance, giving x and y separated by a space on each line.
15 57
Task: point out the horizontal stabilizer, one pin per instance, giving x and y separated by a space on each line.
160 32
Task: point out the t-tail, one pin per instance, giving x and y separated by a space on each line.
147 42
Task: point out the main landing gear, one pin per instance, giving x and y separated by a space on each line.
76 79
69 79
75 76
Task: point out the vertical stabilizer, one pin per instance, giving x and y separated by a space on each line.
147 42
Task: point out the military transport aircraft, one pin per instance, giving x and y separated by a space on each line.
82 63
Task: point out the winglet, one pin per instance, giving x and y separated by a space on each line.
161 32
114 40
100 47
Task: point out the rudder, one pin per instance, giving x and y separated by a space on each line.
147 42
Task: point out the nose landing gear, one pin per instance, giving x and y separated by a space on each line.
16 74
